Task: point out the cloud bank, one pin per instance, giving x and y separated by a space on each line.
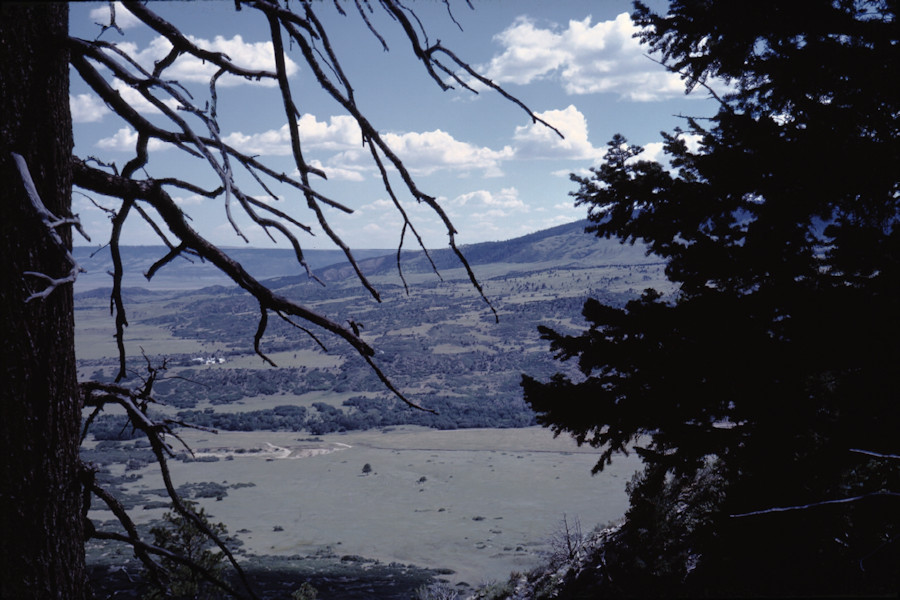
585 58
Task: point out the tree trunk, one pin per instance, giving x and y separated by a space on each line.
41 528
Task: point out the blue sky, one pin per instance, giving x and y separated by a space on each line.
574 63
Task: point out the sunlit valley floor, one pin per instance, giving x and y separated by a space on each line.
474 495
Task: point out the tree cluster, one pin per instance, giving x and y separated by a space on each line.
763 397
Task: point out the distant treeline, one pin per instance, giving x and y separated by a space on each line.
359 412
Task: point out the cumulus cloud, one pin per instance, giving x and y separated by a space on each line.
423 153
87 108
274 142
654 151
256 56
565 173
586 58
537 141
192 200
506 198
338 133
335 173
124 140
430 151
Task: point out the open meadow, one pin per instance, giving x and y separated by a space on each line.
316 459
479 502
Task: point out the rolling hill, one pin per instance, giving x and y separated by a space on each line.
564 246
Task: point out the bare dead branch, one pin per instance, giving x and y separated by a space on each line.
275 30
778 509
133 538
135 404
149 220
332 59
303 329
153 193
875 454
186 185
180 129
143 550
484 80
182 44
81 49
260 331
370 135
51 222
169 257
450 12
112 21
368 23
389 385
117 305
406 222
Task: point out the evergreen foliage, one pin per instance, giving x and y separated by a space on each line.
776 362
183 538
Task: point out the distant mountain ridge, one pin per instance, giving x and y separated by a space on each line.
563 246
566 244
263 263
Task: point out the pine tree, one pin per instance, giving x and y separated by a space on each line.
775 361
181 537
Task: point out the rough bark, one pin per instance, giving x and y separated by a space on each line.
42 549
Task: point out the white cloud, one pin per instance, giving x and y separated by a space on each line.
530 53
124 18
565 173
430 151
274 142
423 153
138 102
334 173
562 219
256 56
380 204
586 58
340 132
87 108
568 210
538 141
482 199
125 139
654 151
192 200
692 140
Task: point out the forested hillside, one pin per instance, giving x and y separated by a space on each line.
440 344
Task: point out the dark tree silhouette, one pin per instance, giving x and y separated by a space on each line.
42 552
762 395
46 491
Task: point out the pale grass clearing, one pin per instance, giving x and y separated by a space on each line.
94 339
482 502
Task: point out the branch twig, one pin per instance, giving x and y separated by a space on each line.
51 222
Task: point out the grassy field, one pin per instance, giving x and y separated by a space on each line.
480 502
